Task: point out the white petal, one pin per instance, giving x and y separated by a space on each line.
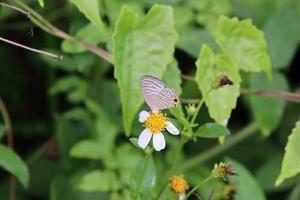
181 196
172 129
144 138
143 116
159 142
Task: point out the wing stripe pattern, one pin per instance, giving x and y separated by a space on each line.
156 95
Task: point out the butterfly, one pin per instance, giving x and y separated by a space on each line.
156 95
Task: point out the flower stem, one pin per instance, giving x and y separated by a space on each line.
172 167
10 143
197 186
233 140
197 111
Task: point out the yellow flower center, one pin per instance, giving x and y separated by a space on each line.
156 122
178 184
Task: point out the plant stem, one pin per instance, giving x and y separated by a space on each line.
197 186
41 22
197 111
58 57
288 96
10 143
233 140
15 8
188 77
172 167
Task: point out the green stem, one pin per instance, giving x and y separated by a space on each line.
172 167
197 186
233 140
197 111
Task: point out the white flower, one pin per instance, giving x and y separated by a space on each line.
155 123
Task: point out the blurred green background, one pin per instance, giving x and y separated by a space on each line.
47 100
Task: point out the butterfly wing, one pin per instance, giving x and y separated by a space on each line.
156 95
151 87
167 99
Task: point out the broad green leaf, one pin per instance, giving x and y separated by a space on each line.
64 187
75 87
245 43
211 130
172 79
105 130
2 130
144 175
191 39
247 186
295 194
209 12
67 134
98 181
267 111
88 33
141 47
182 15
222 100
267 173
88 149
282 35
41 3
91 9
11 162
291 160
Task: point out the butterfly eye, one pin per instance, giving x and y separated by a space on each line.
175 100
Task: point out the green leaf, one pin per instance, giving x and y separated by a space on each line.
267 111
295 194
41 3
291 160
211 130
105 130
209 12
191 39
12 163
247 186
91 9
75 87
88 33
222 100
88 149
98 181
2 130
282 35
65 187
267 172
143 177
245 43
141 47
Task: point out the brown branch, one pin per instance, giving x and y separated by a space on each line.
10 143
58 57
15 8
288 96
40 21
188 77
7 124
